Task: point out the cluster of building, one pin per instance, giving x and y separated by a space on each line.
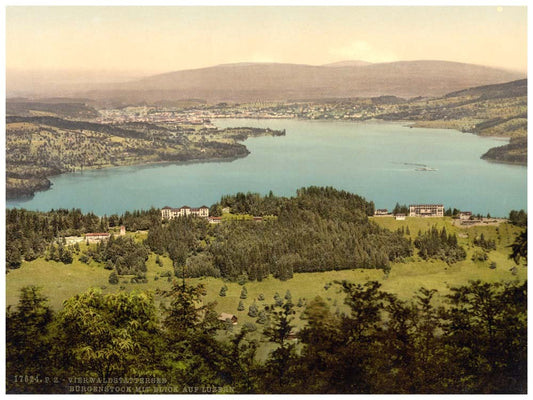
99 236
424 210
415 210
154 115
202 212
93 237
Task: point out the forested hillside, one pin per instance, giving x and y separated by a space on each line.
125 343
514 153
123 338
318 230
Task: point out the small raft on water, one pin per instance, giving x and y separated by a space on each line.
426 169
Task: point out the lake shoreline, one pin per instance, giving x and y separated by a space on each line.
27 193
28 170
30 192
366 158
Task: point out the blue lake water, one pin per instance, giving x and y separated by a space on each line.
372 159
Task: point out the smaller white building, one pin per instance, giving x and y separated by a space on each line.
400 217
70 240
465 215
381 211
97 237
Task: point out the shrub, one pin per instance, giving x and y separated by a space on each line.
113 278
278 300
242 279
480 256
249 327
288 295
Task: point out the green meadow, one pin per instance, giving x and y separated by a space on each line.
61 281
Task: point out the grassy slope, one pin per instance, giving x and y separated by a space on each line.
61 281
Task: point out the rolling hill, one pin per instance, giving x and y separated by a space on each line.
270 81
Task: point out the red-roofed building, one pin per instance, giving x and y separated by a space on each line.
225 317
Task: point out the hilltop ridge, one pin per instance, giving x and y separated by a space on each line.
244 82
273 81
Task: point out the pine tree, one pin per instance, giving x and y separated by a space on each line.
277 299
288 296
261 318
241 306
244 293
223 291
252 310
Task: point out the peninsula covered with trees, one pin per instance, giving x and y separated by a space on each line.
320 229
42 146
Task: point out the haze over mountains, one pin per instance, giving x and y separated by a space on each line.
244 82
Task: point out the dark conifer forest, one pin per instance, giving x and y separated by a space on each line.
124 342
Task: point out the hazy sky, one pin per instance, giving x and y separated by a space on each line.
160 39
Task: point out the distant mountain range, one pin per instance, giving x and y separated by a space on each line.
246 82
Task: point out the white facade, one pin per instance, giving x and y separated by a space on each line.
96 237
465 215
381 211
426 210
171 213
